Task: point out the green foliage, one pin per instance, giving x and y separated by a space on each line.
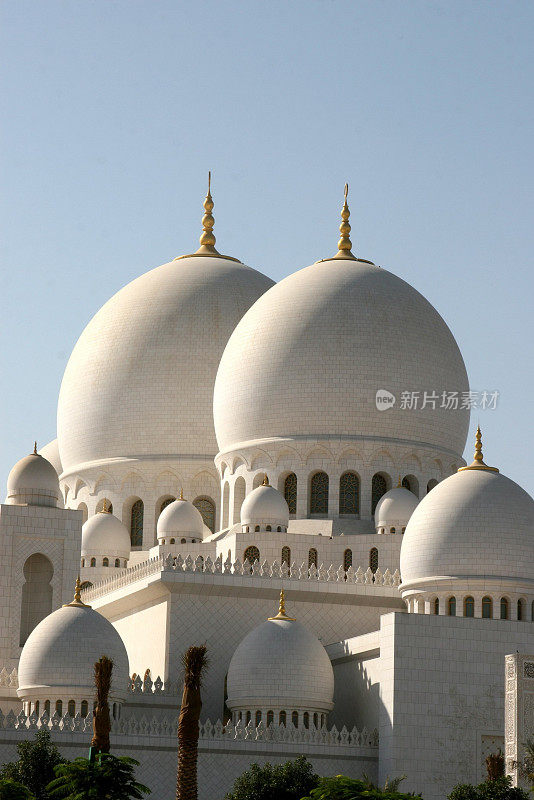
343 788
528 765
12 790
35 766
289 781
499 789
107 777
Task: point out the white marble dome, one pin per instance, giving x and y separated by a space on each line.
394 509
33 481
105 535
265 505
280 665
58 658
139 382
308 358
181 518
474 524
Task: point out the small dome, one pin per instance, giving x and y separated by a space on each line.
180 518
33 481
475 524
265 506
58 658
395 508
105 535
280 665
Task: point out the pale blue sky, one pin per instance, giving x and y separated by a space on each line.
114 111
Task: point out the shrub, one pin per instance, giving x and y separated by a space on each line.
35 766
343 788
107 777
289 781
12 790
499 789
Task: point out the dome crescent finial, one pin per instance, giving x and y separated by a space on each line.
181 494
35 448
207 239
344 246
282 609
478 459
265 481
77 601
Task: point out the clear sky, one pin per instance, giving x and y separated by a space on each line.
114 110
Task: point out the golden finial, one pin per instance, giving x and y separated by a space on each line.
35 448
105 509
478 462
399 485
265 480
282 609
344 246
181 494
207 239
77 595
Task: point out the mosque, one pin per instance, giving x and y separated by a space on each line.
226 471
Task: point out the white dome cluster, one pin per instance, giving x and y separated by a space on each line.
33 481
280 667
57 661
180 522
264 509
394 509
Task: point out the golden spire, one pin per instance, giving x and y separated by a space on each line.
207 238
399 485
77 595
265 480
181 494
35 448
105 509
478 462
282 610
344 246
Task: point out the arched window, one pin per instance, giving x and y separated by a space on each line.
117 562
315 719
430 485
347 559
47 707
105 562
59 707
306 719
36 600
452 606
71 708
469 607
411 483
84 708
349 490
240 491
319 493
282 718
312 557
290 492
504 608
392 530
83 508
279 529
487 608
286 555
248 717
100 505
295 718
37 707
172 541
520 610
252 554
268 528
225 504
93 562
378 488
373 559
270 718
258 718
206 506
256 528
183 541
436 606
136 524
532 611
83 562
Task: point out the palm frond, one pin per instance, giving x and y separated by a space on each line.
194 662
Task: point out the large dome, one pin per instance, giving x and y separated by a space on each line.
306 361
475 524
139 382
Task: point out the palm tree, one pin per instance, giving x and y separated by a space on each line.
528 766
194 662
101 719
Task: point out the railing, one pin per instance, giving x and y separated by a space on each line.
132 724
177 564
